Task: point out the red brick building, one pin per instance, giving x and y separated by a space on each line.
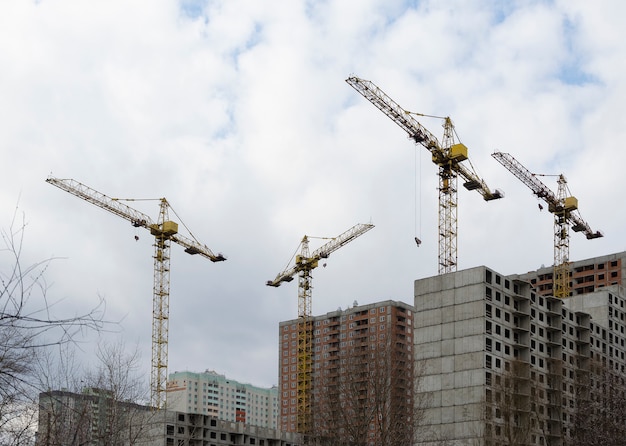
586 276
357 348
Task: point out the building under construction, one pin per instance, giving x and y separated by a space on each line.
585 276
504 364
95 417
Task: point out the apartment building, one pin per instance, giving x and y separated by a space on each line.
94 418
213 394
354 348
505 365
586 276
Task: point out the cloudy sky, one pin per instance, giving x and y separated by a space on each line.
237 111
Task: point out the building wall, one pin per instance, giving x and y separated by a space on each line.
209 393
203 430
607 325
449 351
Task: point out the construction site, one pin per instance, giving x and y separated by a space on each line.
312 223
477 358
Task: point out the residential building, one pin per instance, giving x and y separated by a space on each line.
586 276
93 418
503 364
213 394
355 352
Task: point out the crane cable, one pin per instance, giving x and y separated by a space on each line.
418 187
418 199
294 255
182 222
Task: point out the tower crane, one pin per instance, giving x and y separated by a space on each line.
305 263
447 156
164 231
565 210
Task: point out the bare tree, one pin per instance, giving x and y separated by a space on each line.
341 407
523 405
600 416
102 406
28 326
119 376
364 396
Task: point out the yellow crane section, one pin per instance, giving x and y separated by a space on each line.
448 156
565 210
164 231
305 263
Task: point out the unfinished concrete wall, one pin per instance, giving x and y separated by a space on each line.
449 344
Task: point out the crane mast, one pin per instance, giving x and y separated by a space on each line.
305 263
565 210
447 156
165 232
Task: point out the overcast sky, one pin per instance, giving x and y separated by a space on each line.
238 112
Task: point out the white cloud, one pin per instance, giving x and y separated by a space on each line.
238 113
